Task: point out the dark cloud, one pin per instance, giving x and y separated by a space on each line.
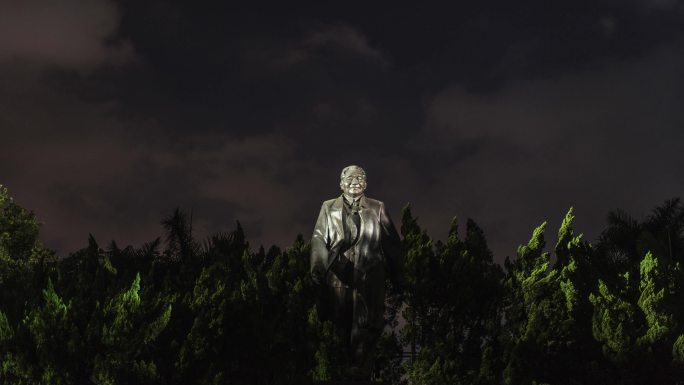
113 114
74 34
596 140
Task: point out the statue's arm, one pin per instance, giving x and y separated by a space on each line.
391 248
320 244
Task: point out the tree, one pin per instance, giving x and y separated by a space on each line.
547 334
453 299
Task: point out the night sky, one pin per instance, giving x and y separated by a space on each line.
114 113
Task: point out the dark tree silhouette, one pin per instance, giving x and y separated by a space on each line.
215 312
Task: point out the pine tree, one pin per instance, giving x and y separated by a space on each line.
454 293
548 335
128 326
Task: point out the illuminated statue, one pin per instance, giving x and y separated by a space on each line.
354 244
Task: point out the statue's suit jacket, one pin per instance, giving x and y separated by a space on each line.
376 250
377 245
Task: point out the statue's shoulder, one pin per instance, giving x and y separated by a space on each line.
329 202
374 203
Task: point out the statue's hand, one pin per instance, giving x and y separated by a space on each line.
343 269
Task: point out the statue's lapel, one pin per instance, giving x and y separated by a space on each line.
365 213
336 214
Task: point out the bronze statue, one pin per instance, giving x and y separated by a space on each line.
352 245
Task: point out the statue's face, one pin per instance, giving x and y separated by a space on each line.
353 182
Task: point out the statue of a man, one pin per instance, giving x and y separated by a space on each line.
353 244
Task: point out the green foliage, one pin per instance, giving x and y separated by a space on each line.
215 312
329 355
452 301
616 322
18 228
638 306
6 333
678 350
659 320
547 334
128 327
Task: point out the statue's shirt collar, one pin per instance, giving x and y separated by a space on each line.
349 201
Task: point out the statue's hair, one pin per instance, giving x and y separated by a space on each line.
344 170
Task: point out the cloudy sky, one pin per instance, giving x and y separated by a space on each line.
113 113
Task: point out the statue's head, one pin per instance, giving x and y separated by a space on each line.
353 181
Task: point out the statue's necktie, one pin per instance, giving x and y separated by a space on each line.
354 221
